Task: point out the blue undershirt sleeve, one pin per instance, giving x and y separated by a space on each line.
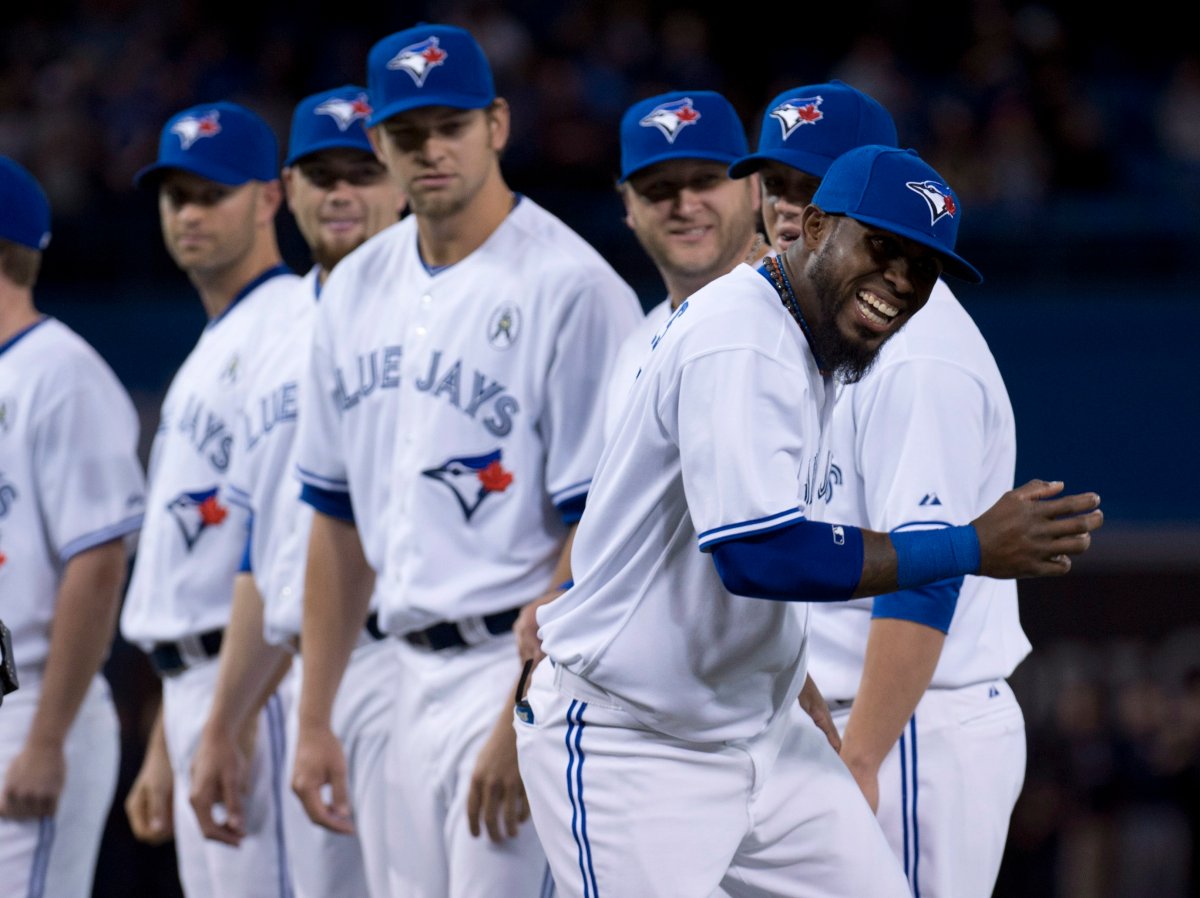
328 502
806 561
932 605
571 510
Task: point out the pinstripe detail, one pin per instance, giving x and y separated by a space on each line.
41 857
916 881
575 759
904 799
547 884
275 733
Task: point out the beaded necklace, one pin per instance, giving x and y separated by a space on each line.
783 286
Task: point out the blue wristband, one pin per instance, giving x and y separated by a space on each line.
926 556
565 585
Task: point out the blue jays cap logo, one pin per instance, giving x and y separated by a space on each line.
196 512
345 112
419 59
472 478
191 128
937 196
671 118
797 111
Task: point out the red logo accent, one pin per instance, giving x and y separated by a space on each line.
206 127
951 208
212 512
433 55
494 478
361 107
687 114
809 113
3 558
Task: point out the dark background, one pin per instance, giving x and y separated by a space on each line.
1072 136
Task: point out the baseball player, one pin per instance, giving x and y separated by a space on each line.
71 499
693 221
218 190
340 196
663 749
457 374
926 437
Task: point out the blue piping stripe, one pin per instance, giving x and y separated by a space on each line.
904 800
99 537
15 338
916 882
587 845
41 857
570 492
324 482
275 731
548 884
711 537
571 795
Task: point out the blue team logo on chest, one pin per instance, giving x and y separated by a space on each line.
825 491
195 513
8 495
472 478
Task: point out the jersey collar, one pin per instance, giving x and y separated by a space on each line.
272 272
12 341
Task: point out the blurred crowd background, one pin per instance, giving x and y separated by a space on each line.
1072 136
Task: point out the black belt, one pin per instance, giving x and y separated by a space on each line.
449 635
171 658
372 627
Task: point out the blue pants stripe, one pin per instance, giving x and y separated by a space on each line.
575 759
41 857
275 731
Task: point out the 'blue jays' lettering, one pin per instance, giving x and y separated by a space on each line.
208 433
277 407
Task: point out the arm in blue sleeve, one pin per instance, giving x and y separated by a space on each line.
932 605
802 562
328 502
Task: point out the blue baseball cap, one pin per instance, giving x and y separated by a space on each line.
428 65
898 191
24 209
808 127
329 120
223 142
695 124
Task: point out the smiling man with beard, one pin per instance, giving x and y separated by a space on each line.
662 746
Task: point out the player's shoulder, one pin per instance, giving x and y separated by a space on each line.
536 240
942 332
369 263
737 310
57 361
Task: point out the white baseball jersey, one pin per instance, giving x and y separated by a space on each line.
722 438
70 478
628 363
189 553
925 439
261 475
459 411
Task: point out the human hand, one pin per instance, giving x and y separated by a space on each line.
529 647
815 706
497 794
320 769
219 777
151 798
1032 531
34 782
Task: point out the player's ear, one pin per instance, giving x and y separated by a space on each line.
289 185
499 122
270 195
626 193
755 188
815 225
377 138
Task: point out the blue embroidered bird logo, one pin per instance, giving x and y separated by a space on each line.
419 59
472 479
797 111
191 128
345 112
195 513
672 117
937 196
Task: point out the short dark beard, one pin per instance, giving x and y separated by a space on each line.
847 360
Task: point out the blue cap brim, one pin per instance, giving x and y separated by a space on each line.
332 143
951 262
151 174
708 155
425 101
809 163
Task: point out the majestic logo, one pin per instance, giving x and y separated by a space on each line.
834 478
8 413
504 326
671 118
797 111
231 371
472 479
937 197
191 128
195 513
419 59
930 499
345 112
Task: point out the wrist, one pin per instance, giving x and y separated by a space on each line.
927 556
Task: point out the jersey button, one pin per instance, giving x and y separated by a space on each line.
426 299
